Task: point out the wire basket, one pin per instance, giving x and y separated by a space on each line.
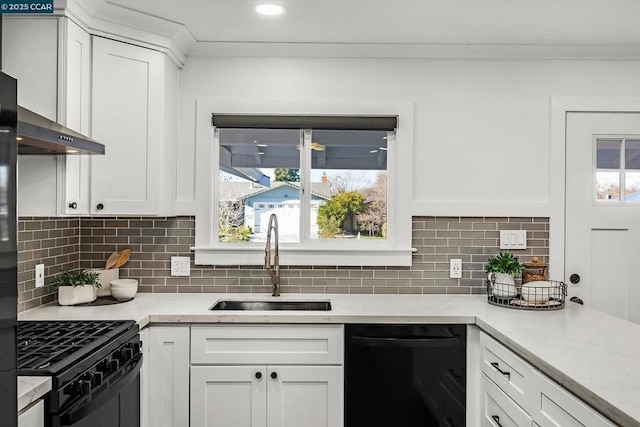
527 297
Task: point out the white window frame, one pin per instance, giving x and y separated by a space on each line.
396 250
622 201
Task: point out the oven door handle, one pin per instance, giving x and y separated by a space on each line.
80 412
433 342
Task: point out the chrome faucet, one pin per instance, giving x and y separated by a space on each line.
273 269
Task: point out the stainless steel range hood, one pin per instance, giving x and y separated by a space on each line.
39 135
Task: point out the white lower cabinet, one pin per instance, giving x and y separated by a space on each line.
33 416
165 377
260 396
513 393
555 406
267 376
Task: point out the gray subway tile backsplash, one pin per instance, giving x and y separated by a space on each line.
71 243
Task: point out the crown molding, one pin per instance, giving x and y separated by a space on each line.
435 51
101 18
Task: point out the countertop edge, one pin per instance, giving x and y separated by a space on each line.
30 389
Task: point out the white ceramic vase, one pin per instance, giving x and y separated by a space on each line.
104 278
72 295
504 284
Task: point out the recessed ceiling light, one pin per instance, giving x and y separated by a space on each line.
270 9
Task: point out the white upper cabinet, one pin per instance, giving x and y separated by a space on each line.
127 117
122 95
75 107
51 58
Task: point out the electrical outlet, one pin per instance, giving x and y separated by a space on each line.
180 266
39 275
455 268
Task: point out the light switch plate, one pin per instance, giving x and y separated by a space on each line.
513 239
180 266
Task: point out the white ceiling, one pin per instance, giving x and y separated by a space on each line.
568 22
566 29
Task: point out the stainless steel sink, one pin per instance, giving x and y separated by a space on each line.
273 305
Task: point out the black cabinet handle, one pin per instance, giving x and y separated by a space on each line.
574 278
274 375
99 206
73 205
505 373
258 375
496 419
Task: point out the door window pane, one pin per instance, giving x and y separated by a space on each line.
607 185
632 154
349 184
608 153
632 186
259 176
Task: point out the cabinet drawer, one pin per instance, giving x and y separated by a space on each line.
264 344
33 416
555 406
507 370
498 409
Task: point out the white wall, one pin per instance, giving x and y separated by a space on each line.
482 144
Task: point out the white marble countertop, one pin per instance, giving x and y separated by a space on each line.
31 389
595 355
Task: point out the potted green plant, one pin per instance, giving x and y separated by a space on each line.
502 269
76 287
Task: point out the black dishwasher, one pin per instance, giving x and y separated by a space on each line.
405 375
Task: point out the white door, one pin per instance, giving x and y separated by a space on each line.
602 246
309 396
226 396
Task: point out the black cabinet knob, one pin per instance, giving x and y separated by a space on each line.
258 375
274 375
574 278
85 387
73 205
99 206
97 378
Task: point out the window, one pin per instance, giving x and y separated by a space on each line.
617 167
338 190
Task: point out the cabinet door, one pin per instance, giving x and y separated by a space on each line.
556 407
310 396
225 396
127 118
168 376
74 107
32 417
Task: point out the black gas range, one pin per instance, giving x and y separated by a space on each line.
94 367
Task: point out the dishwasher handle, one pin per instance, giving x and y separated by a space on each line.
417 342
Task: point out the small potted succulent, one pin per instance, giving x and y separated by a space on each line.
502 269
76 287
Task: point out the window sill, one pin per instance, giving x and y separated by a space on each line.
254 255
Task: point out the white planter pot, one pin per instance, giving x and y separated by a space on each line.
71 295
504 285
104 278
